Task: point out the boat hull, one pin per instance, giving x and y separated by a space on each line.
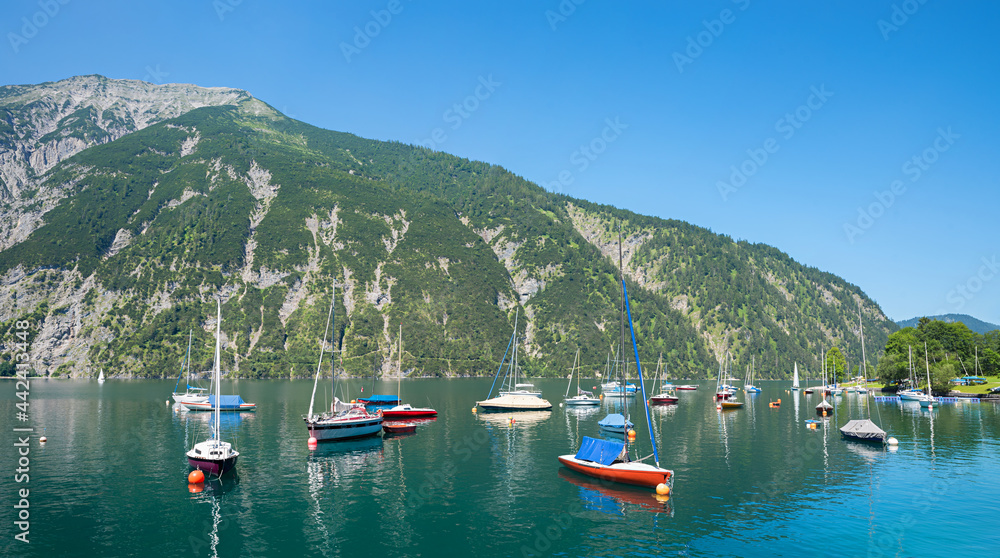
333 430
183 398
205 406
583 402
731 405
398 427
515 403
408 414
213 467
686 388
638 474
663 400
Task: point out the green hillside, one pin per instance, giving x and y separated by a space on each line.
267 212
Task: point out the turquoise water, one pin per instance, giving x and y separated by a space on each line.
111 480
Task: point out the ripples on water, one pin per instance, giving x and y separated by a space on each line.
750 482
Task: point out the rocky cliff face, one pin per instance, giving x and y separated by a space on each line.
43 125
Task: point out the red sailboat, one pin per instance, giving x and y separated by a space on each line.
610 460
405 411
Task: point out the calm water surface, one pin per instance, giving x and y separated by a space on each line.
111 481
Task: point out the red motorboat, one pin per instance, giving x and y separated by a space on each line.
663 399
686 388
406 411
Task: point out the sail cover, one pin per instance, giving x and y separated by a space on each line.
862 429
604 452
227 401
380 399
614 420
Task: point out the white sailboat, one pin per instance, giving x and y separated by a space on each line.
513 399
927 399
345 421
213 456
795 378
100 377
581 397
192 394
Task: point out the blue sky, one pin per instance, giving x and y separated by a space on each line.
861 138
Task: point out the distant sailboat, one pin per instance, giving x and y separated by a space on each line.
192 394
927 399
100 377
581 397
795 378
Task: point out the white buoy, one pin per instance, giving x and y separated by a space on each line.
892 442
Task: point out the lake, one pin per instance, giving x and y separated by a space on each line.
112 478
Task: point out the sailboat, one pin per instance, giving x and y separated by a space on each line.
581 397
345 421
795 378
216 402
748 385
927 399
510 399
666 397
618 423
213 456
610 460
911 394
100 377
405 410
825 408
863 430
192 394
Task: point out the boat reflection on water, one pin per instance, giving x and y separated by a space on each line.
514 418
865 450
581 411
342 461
212 492
615 498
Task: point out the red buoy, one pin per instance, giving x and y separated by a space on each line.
196 477
312 442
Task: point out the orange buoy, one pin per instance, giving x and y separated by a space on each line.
662 489
196 477
824 412
195 488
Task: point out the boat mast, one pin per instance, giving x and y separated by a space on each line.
399 378
864 359
188 361
322 345
638 366
218 366
928 365
621 322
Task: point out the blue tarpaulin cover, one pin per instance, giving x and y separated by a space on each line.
380 399
227 401
599 451
614 420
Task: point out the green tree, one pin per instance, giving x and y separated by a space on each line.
836 365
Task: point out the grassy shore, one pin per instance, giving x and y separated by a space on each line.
982 388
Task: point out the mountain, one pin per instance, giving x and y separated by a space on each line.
974 324
129 238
